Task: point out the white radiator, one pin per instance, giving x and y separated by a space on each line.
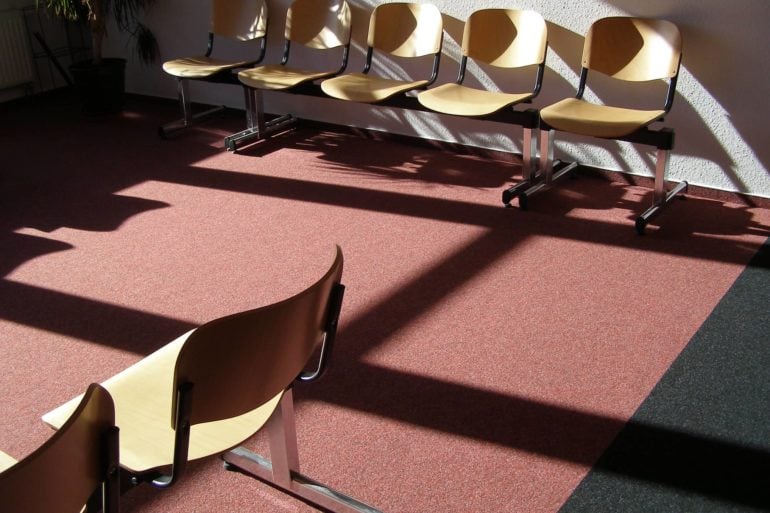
15 54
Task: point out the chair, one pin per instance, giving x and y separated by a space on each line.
211 389
321 25
6 461
78 465
504 38
242 20
400 30
631 50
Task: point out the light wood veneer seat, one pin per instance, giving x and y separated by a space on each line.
398 30
143 405
504 38
315 24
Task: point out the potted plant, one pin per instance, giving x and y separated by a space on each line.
100 80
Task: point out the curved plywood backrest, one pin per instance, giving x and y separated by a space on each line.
634 49
406 29
239 19
319 24
237 363
63 473
506 38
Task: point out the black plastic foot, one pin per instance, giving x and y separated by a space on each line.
523 201
641 225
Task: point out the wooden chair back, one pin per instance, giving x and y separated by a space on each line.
243 20
64 472
406 29
633 49
319 24
237 363
506 38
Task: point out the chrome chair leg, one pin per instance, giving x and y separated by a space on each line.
283 471
660 197
552 170
188 118
529 166
256 126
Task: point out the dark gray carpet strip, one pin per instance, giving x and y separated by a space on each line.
701 441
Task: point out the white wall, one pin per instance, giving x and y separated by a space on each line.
719 112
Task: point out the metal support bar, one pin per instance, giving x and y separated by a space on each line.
546 154
662 139
182 124
529 172
552 170
255 109
661 166
183 93
529 154
564 168
655 209
514 191
282 434
251 118
660 197
188 118
256 126
283 471
271 127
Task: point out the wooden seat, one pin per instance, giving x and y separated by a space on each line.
216 386
503 38
241 20
399 30
318 25
144 413
78 465
6 461
628 50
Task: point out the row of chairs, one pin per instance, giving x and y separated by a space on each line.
202 394
624 48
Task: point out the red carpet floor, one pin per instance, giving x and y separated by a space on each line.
486 356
